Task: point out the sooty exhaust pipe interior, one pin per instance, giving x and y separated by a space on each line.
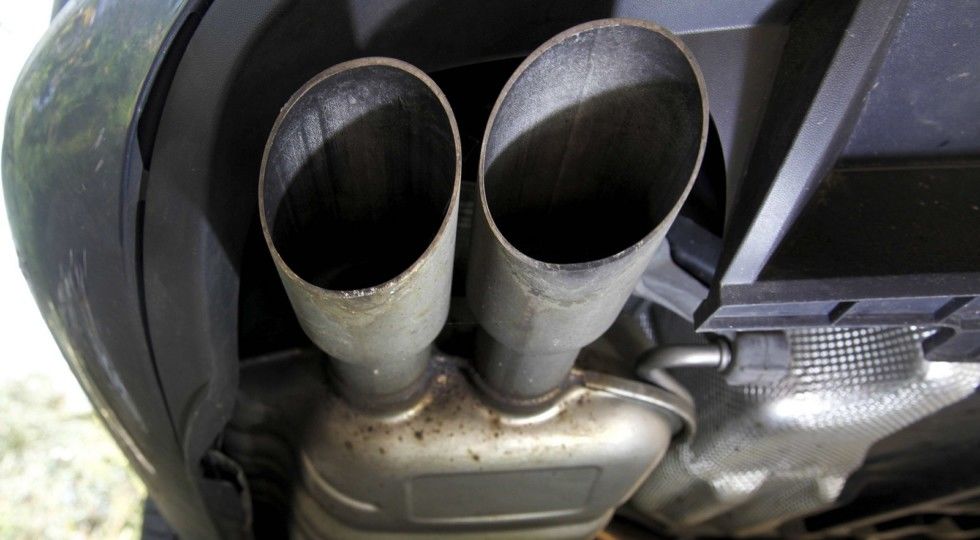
359 195
588 156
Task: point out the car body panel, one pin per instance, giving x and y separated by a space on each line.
72 188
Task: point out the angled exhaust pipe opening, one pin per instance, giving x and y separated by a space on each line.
589 154
358 200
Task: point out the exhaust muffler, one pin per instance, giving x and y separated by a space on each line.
358 200
588 156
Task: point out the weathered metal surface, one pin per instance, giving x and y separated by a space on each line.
589 153
359 196
450 465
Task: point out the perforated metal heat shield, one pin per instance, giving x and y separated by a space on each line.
763 455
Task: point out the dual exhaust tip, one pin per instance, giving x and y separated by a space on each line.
588 155
358 199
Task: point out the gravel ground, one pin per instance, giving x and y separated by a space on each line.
61 475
